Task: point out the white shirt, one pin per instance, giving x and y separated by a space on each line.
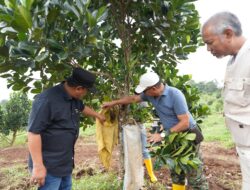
237 86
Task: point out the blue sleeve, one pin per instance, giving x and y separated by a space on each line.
144 97
180 103
39 117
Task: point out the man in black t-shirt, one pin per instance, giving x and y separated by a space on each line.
53 130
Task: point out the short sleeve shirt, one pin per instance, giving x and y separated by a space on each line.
169 105
55 116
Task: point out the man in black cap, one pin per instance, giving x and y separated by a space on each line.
54 128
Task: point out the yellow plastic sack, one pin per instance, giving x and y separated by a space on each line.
107 135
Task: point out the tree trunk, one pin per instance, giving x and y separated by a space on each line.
13 138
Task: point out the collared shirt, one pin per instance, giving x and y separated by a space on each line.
236 90
171 103
55 116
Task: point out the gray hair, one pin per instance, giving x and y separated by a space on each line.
222 21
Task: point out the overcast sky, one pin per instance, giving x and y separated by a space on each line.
201 64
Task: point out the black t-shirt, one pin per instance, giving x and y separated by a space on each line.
55 116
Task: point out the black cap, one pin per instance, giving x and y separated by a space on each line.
81 77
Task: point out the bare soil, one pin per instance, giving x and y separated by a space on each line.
221 165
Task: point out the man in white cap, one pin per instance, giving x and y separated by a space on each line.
171 106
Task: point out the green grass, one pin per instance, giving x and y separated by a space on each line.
107 181
214 129
16 177
89 131
21 139
101 181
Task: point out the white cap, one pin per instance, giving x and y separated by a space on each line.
147 80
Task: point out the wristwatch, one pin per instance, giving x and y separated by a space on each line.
163 134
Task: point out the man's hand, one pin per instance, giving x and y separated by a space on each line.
38 175
101 118
108 104
154 138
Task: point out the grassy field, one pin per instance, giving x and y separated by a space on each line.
214 129
16 176
21 139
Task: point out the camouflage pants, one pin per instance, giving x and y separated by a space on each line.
196 179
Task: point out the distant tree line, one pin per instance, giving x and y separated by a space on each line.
210 94
207 87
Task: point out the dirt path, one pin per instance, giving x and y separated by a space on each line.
221 165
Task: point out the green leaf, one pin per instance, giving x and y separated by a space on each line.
36 90
189 151
5 68
160 31
102 14
192 164
26 89
27 4
4 51
28 80
188 38
53 15
91 40
10 3
190 48
37 34
166 150
91 20
60 67
17 86
6 75
177 169
27 48
26 17
38 85
22 36
72 9
42 56
54 46
63 55
5 17
197 161
179 151
184 160
171 137
193 24
190 136
170 163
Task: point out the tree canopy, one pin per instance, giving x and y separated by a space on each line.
118 40
14 115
